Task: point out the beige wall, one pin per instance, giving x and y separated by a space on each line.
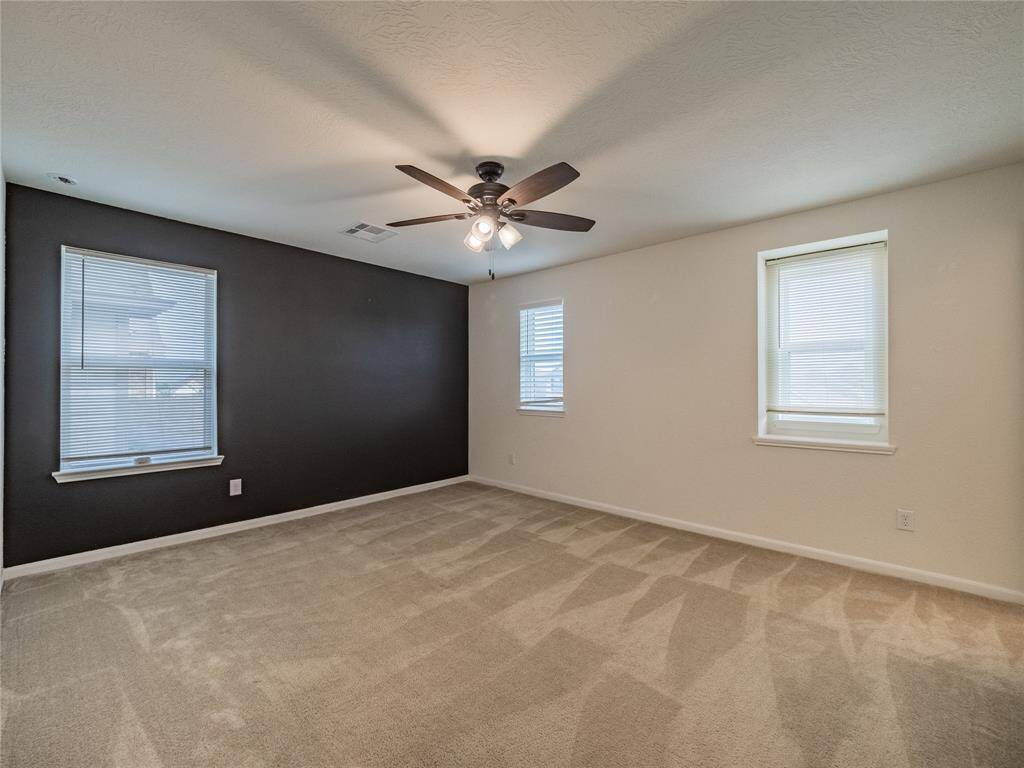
660 376
3 347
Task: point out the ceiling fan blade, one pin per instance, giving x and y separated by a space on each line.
551 220
429 219
432 181
540 184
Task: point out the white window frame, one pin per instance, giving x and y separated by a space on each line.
109 468
831 443
527 410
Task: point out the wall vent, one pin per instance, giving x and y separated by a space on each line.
371 233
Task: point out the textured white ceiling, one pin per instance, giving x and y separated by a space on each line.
284 121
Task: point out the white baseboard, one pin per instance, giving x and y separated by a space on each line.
852 561
94 555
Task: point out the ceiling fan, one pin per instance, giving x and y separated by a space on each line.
493 206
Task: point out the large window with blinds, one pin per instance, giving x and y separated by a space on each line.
137 365
541 378
824 345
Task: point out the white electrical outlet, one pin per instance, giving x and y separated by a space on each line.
904 520
235 487
511 458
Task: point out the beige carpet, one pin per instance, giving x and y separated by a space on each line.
470 626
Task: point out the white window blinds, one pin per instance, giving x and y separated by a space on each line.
138 354
540 358
826 346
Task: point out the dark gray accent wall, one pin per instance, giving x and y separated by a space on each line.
336 379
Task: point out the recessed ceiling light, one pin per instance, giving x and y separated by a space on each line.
60 177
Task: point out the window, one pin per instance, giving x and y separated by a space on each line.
823 345
137 366
540 358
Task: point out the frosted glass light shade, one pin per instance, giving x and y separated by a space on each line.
484 227
509 236
474 243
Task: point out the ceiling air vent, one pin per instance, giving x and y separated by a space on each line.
371 233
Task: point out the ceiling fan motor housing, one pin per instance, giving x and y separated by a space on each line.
487 192
490 189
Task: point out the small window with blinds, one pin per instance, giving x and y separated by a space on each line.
541 382
137 365
824 361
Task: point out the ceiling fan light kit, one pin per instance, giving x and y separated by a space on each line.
493 206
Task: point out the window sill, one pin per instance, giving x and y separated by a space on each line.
820 444
538 412
71 476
